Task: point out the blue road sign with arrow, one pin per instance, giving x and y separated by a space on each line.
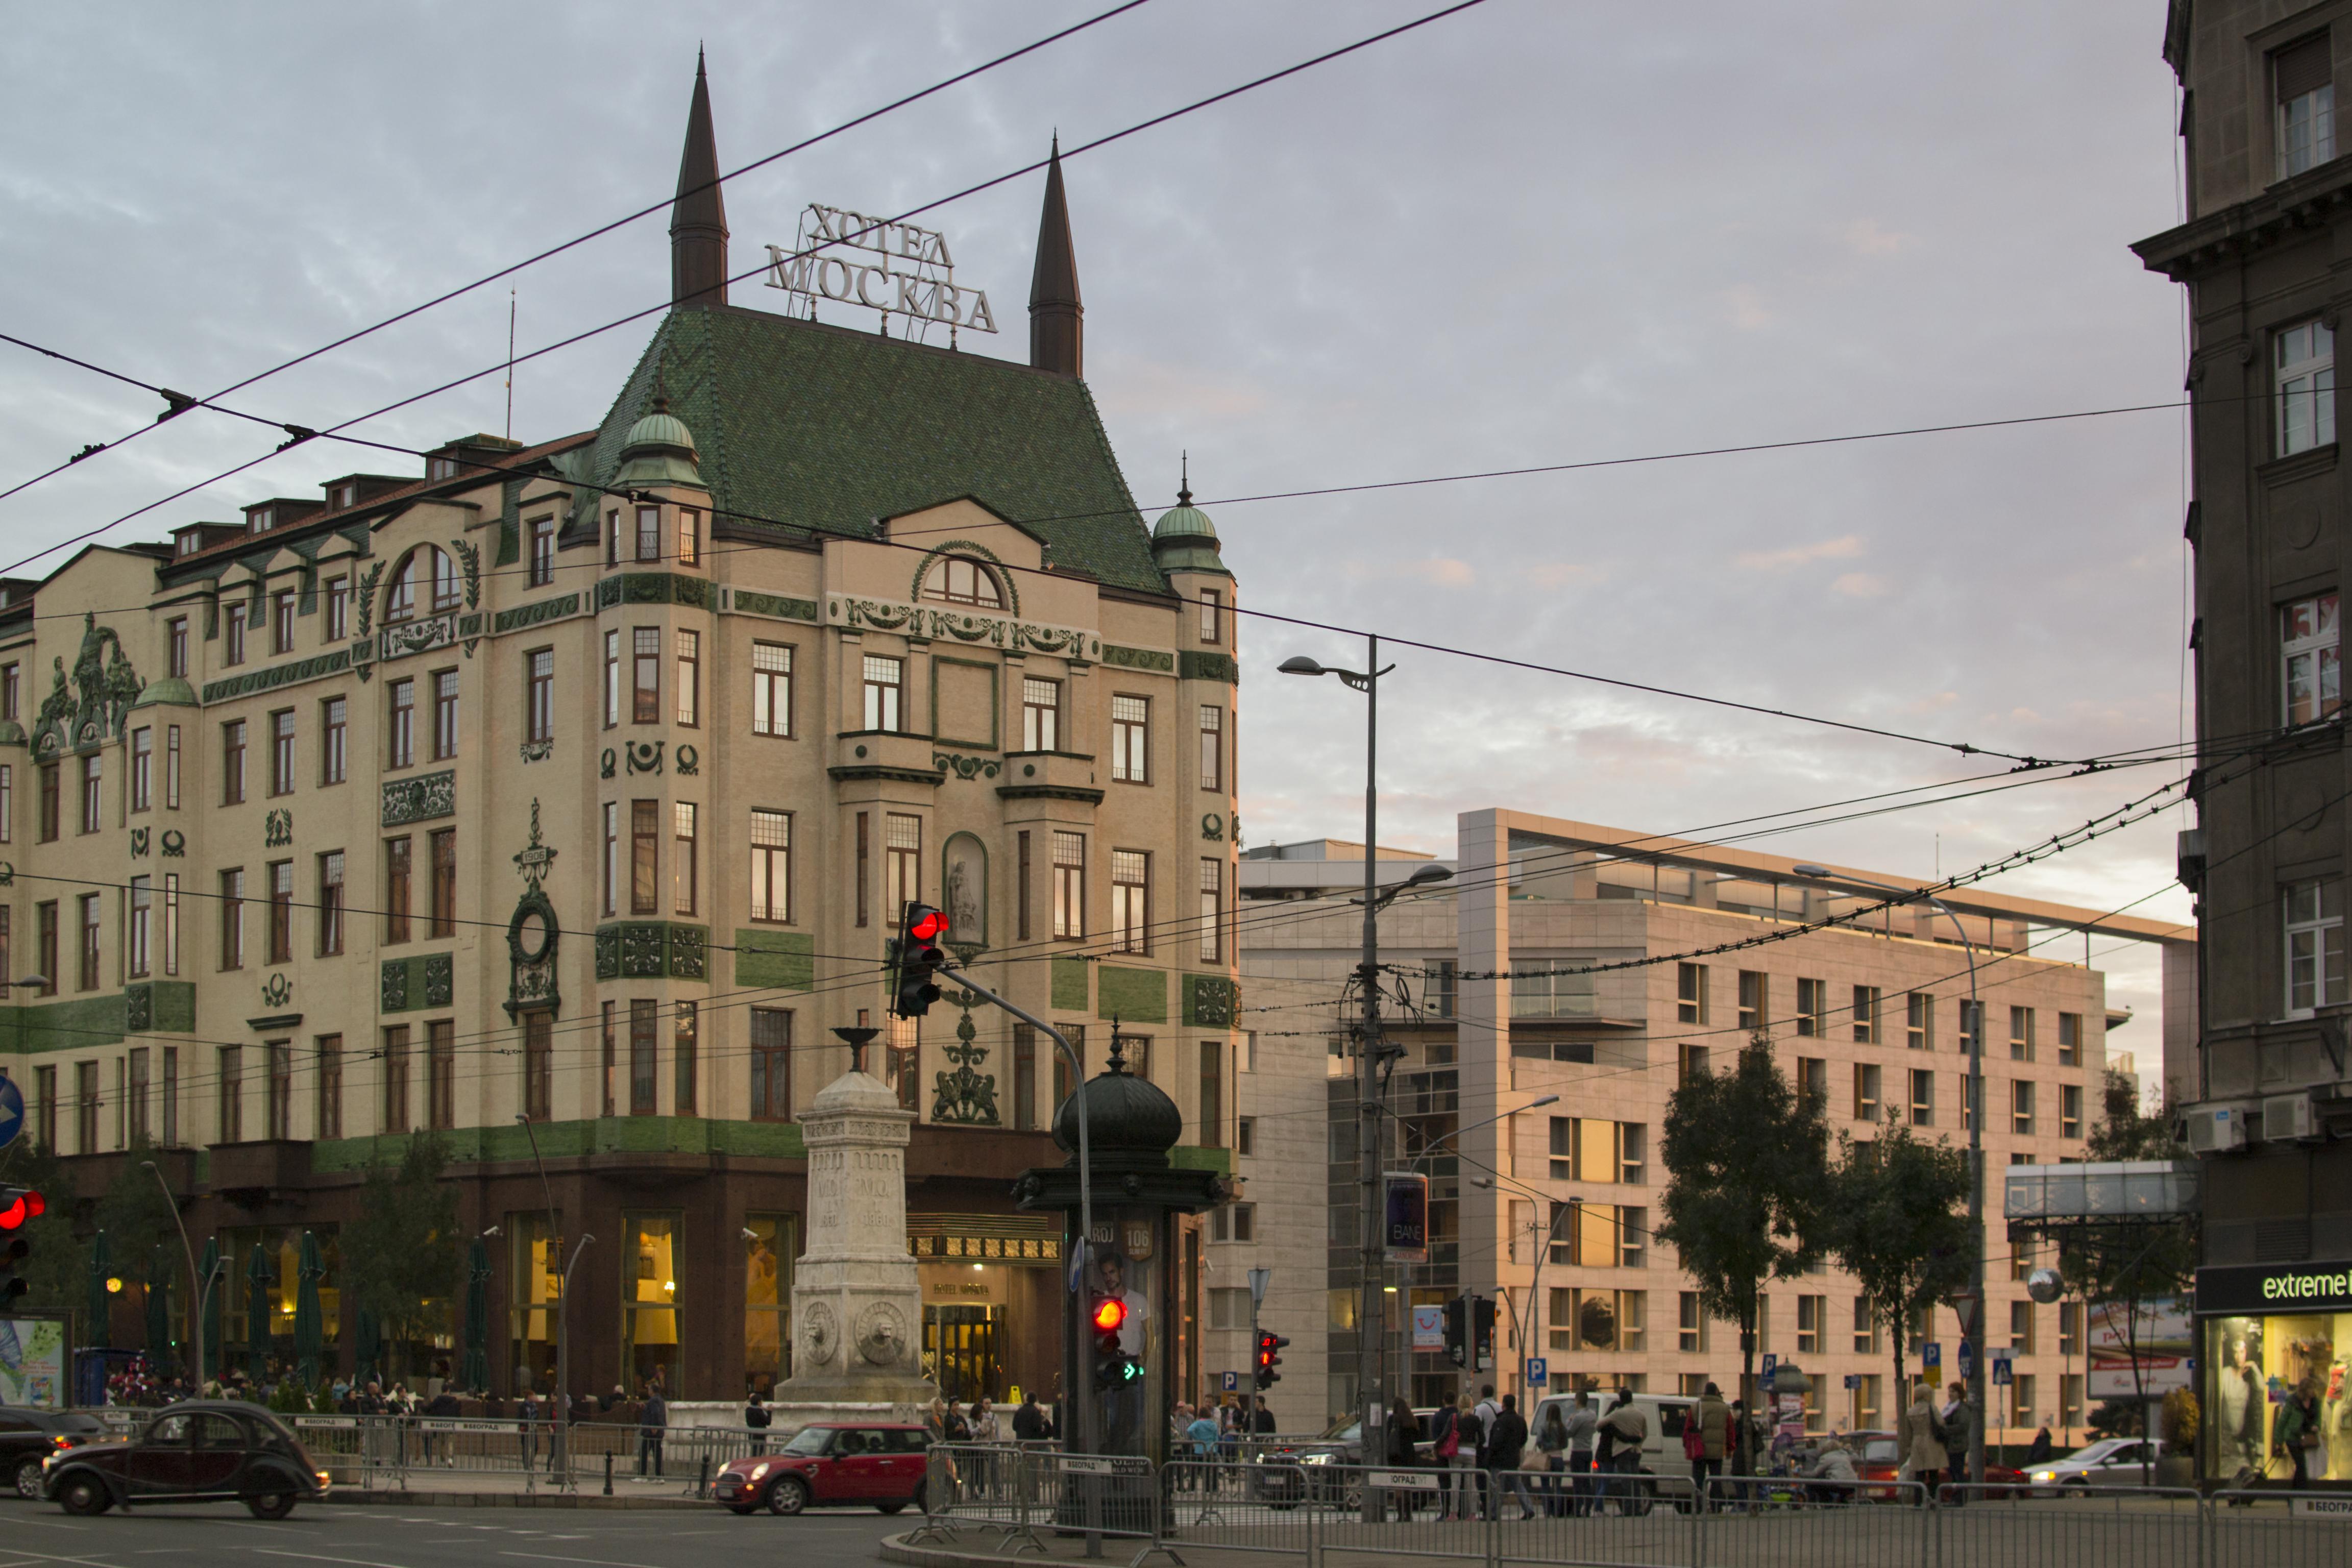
11 1111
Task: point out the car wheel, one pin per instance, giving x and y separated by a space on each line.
85 1495
28 1480
788 1496
739 1508
889 1507
270 1505
2077 1489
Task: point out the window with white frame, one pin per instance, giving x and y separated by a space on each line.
2310 660
1069 884
2314 945
771 865
961 580
771 689
1130 901
1212 747
1041 715
1212 900
2303 80
886 679
688 649
1131 739
2303 372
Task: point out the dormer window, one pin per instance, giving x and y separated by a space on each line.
2303 74
191 541
428 577
346 497
961 580
257 521
438 468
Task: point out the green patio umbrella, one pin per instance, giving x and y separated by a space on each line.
367 1356
476 1373
97 1330
309 1340
209 1292
260 1274
159 1312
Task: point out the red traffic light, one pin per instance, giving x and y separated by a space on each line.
1110 1314
928 926
29 1204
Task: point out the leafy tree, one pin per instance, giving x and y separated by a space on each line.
399 1258
1747 1162
57 1273
1896 1220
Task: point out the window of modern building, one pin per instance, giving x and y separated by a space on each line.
644 857
1866 1327
1753 1000
1812 1310
1967 1102
1691 1062
1971 1026
2021 1327
539 700
771 689
1814 1080
2303 84
1041 714
771 1064
1866 1002
2020 1108
771 865
683 864
445 714
2069 1039
1813 1006
1212 747
1690 1324
1069 884
644 675
885 686
2021 1034
1130 901
1212 909
2314 919
2303 377
961 580
2070 1111
444 844
400 735
688 647
1919 1021
543 551
1130 740
1923 1098
1865 1091
398 866
2070 1328
1690 993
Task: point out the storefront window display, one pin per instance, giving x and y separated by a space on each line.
534 1281
649 1302
771 1242
2273 1344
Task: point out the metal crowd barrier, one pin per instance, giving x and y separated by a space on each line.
1774 1523
2011 1527
2281 1528
407 1453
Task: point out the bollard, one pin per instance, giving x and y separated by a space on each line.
608 1475
702 1481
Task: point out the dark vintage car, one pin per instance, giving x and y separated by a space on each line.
831 1465
210 1450
28 1437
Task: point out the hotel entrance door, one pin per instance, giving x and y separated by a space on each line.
959 1348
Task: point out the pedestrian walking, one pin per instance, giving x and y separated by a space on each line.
1551 1442
1445 1448
2296 1432
1711 1418
653 1425
1923 1441
1404 1450
1201 1443
1506 1440
1029 1422
1583 1423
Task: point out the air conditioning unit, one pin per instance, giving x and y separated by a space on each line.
2215 1129
2289 1118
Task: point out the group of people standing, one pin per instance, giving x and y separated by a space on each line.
1487 1453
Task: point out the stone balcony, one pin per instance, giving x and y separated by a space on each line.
886 754
1048 776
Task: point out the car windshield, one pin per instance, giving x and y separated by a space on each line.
1878 1451
2093 1454
808 1441
1345 1429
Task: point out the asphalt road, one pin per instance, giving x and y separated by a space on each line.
336 1536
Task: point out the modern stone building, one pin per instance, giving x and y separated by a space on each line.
560 802
2266 1092
1550 1209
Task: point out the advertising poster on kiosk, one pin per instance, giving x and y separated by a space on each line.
33 1363
2155 1330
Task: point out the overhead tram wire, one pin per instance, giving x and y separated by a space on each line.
179 402
297 435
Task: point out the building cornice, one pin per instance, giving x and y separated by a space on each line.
2306 201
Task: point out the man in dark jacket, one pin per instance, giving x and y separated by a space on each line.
1029 1421
1507 1439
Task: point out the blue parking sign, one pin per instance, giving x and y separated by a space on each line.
1931 1353
1538 1371
1769 1364
1229 1383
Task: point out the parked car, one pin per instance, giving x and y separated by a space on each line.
1662 1450
828 1464
1878 1456
27 1439
1340 1444
2110 1462
210 1450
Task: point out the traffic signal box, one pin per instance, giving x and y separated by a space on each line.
916 960
1269 1348
17 1206
1114 1368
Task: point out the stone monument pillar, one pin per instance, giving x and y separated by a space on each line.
857 1302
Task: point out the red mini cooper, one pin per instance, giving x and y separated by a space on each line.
831 1465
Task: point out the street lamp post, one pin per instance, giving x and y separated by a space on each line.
199 1291
1974 1330
562 1310
1430 1152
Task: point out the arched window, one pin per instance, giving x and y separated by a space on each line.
427 579
961 580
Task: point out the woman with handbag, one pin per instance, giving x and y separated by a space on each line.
1551 1443
2296 1431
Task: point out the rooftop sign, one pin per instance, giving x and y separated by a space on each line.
911 275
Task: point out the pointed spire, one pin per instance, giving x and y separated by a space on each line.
1185 480
697 219
1057 318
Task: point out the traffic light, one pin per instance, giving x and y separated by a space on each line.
1482 1332
1269 1346
916 959
18 1205
1114 1368
1457 1331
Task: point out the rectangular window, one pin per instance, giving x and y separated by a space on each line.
1693 1062
170 1118
689 536
538 1064
142 776
1865 1328
1212 1094
771 689
441 1073
176 641
683 862
49 811
2070 1328
140 936
864 854
445 714
330 903
400 737
2021 1327
92 778
339 609
905 868
172 766
170 922
2302 373
232 914
543 551
1211 615
1244 1129
688 647
45 941
278 1091
444 843
7 805
1130 740
2069 1039
1865 1015
281 912
281 752
612 868
1069 884
233 634
1810 1311
392 1109
1814 1080
1919 1021
1923 1098
1212 747
771 1064
1690 993
539 700
771 865
2020 1108
1213 908
1024 1078
1865 1091
885 681
1691 1324
1753 1000
1968 1103
397 867
281 621
1812 1003
644 852
12 690
1041 715
136 1094
86 1106
644 1016
228 1117
2302 76
612 678
2070 1111
648 533
612 537
1130 901
1021 890
2021 1034
683 1061
610 1047
644 675
2314 945
2310 660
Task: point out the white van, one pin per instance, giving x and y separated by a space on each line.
1661 1451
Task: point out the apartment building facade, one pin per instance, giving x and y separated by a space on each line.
1549 1210
561 804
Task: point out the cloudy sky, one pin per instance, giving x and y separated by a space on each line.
1533 233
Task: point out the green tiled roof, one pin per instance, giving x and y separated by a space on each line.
826 429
